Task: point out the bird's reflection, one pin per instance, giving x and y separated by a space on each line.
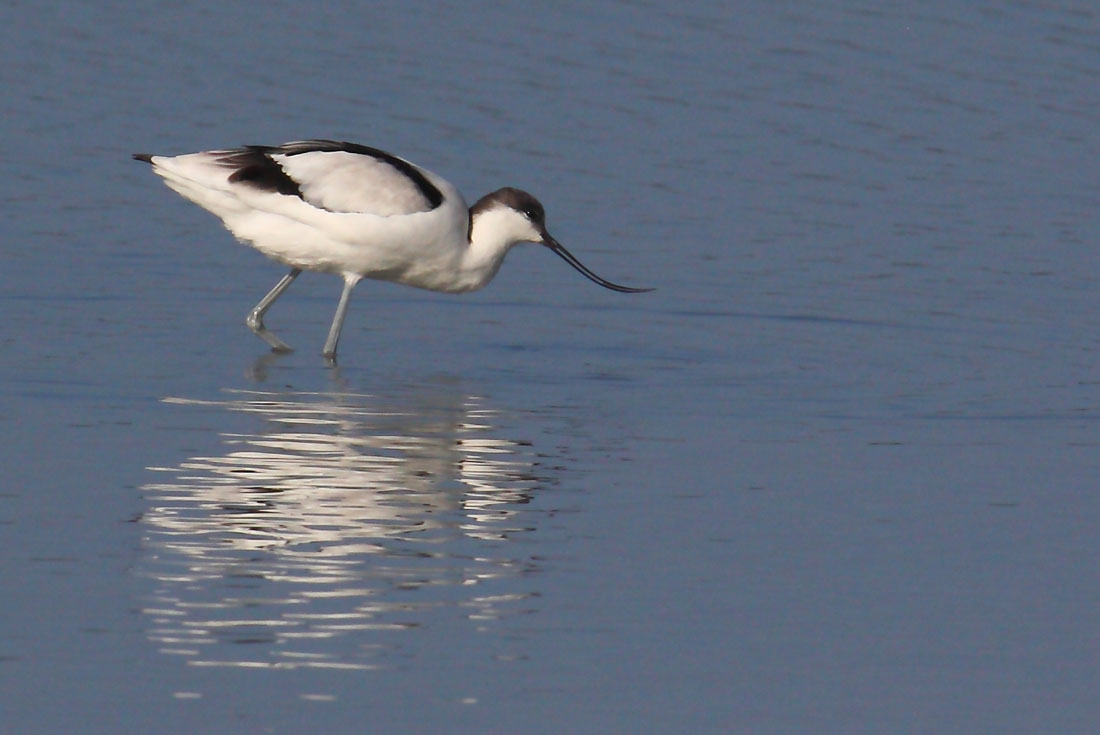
337 516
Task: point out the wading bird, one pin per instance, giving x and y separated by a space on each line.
357 212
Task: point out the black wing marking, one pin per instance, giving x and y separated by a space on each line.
254 165
430 192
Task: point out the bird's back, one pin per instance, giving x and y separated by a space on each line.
322 205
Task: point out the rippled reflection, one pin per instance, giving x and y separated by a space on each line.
337 520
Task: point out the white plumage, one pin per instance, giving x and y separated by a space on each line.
357 212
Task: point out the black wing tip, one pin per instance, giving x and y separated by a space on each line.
147 157
254 166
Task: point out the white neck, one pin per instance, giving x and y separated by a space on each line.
493 232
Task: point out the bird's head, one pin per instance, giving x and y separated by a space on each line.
512 216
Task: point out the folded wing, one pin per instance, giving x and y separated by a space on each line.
334 176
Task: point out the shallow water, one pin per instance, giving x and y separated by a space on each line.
836 475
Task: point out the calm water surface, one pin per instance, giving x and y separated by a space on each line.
837 475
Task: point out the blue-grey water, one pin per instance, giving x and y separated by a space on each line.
838 474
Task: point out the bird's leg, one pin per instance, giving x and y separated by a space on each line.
255 319
338 320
